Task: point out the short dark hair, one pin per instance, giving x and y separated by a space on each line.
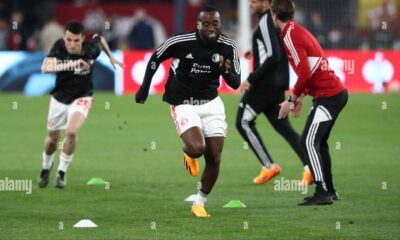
208 9
75 27
283 9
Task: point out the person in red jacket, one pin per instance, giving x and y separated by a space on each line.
315 78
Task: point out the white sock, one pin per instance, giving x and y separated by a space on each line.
306 168
65 160
47 160
200 199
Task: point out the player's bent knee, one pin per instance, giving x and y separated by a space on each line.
247 123
239 125
71 133
195 149
53 141
53 137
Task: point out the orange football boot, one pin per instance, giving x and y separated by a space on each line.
191 165
267 174
199 211
307 178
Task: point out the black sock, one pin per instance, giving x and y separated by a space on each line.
320 188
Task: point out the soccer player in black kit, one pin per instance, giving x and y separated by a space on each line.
264 91
71 58
199 59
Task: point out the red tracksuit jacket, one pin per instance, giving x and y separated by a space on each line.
308 60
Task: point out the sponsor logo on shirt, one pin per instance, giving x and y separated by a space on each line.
200 69
215 57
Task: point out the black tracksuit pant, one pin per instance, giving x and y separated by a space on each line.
251 105
314 139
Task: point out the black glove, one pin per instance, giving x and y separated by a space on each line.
141 95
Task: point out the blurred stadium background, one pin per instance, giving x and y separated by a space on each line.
361 38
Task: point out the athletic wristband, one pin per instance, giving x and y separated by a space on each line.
289 99
291 102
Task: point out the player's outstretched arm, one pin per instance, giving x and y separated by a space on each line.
106 49
151 69
165 51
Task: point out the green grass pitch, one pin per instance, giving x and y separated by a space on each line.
136 149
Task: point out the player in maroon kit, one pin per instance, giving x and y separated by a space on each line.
316 79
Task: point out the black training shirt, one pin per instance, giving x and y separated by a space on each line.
74 83
194 72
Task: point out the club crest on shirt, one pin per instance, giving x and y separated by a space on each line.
51 123
184 121
215 57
